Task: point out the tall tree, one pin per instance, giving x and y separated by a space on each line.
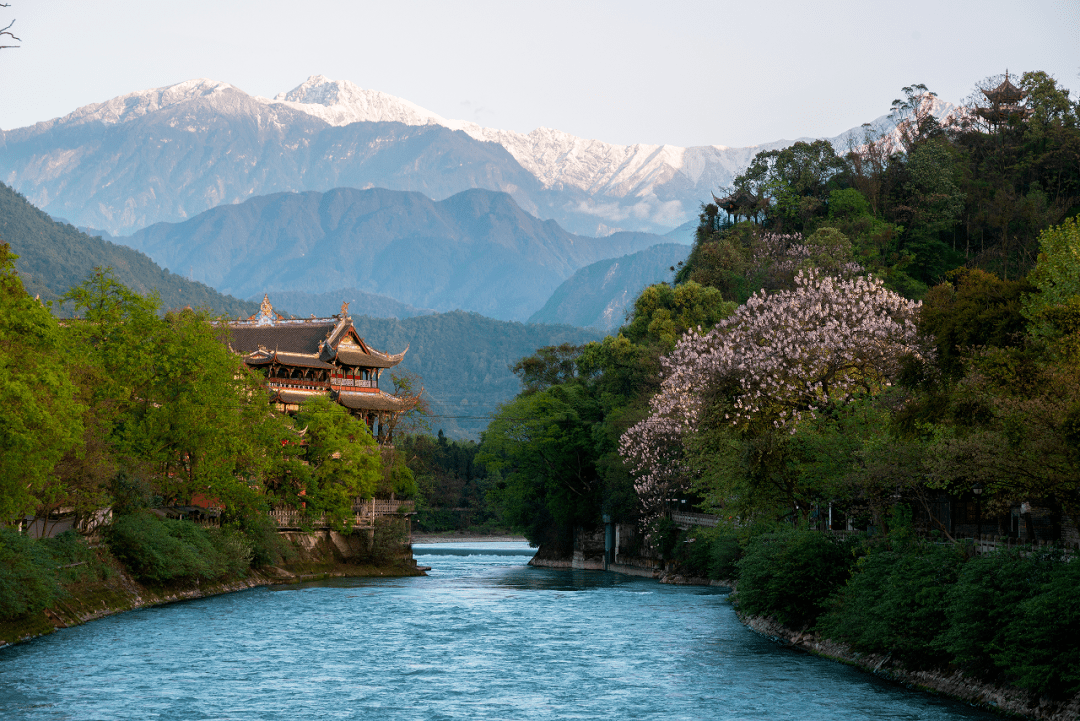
42 419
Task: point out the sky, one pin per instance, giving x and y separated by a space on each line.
681 72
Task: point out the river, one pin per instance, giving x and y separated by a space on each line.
483 636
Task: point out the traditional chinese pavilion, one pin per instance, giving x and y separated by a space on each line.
1005 102
302 357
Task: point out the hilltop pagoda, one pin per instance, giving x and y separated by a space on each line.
302 357
1005 103
741 204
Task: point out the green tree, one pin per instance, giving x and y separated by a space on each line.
343 457
542 445
179 409
42 419
797 179
662 314
1057 273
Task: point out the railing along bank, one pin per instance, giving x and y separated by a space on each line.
364 514
981 544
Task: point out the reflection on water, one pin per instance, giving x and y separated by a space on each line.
482 637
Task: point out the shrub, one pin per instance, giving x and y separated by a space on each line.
388 541
790 574
265 544
162 550
665 535
983 604
710 553
28 581
1040 650
143 543
896 600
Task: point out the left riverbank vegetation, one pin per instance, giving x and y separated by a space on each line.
121 420
880 341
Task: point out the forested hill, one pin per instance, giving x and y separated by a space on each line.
463 360
55 256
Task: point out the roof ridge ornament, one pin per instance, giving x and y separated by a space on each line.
266 311
344 309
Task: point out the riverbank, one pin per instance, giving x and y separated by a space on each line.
317 556
954 684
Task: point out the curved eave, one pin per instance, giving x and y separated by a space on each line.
374 359
370 401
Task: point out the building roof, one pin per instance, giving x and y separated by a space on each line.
293 396
290 336
371 401
307 342
263 357
1006 93
374 359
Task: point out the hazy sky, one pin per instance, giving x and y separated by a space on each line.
679 72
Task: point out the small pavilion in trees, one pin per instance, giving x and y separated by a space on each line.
1005 103
741 204
302 357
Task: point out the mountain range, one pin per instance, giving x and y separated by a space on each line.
476 250
169 153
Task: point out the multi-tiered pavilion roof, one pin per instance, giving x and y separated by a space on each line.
302 357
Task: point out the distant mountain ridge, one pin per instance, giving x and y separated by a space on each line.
54 256
599 295
167 154
477 250
324 305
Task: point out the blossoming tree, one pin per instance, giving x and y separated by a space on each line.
779 359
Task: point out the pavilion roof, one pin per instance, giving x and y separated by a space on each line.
353 356
308 342
293 396
263 357
1005 94
290 336
371 401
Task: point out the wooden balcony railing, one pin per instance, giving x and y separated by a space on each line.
307 383
352 382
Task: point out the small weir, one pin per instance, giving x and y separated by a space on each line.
483 636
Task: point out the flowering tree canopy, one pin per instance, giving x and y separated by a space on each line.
776 359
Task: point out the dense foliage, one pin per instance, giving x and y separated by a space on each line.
1004 618
827 385
451 484
123 407
32 573
554 448
464 360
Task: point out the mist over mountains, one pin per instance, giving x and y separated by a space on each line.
167 154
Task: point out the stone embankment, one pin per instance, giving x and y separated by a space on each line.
954 683
318 556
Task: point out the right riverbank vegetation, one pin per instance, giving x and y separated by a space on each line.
870 354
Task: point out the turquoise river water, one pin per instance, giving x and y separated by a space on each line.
482 637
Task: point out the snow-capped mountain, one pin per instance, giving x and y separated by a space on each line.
558 160
169 153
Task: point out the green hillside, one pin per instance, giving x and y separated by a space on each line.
55 256
464 360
